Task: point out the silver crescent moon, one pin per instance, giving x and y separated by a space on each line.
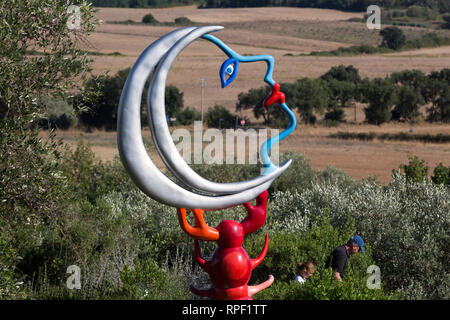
131 146
163 139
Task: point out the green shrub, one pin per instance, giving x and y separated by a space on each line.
298 176
446 18
381 95
59 114
91 178
404 223
146 280
335 115
415 170
393 38
401 136
398 14
414 11
286 249
149 19
187 116
11 286
322 286
441 174
182 21
227 173
219 116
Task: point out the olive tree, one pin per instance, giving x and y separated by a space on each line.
40 57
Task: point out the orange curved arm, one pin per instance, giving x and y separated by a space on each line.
201 231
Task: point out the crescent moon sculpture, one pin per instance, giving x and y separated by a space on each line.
132 151
163 140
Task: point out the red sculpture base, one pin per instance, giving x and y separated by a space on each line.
230 267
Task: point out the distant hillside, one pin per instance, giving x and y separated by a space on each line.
142 3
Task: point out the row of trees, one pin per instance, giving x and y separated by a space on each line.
100 109
442 6
140 3
416 171
397 97
346 5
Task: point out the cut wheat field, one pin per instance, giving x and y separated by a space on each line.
282 33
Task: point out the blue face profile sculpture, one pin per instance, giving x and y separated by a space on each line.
195 191
228 72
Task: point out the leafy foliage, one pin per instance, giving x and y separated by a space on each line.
150 282
315 245
140 3
342 73
380 93
102 111
187 116
407 107
441 174
397 97
404 223
149 19
310 94
253 99
401 136
356 5
10 286
219 117
33 190
59 114
415 170
393 38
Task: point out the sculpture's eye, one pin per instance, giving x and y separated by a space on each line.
228 71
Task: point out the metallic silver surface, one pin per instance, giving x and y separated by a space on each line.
163 139
131 146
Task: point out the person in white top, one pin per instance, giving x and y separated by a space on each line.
304 271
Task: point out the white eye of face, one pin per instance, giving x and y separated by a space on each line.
230 69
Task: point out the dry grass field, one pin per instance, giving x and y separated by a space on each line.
275 31
225 15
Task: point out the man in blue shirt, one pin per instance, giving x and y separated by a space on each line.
340 256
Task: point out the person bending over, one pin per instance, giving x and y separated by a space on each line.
339 257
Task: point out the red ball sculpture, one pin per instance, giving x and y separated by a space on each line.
230 267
